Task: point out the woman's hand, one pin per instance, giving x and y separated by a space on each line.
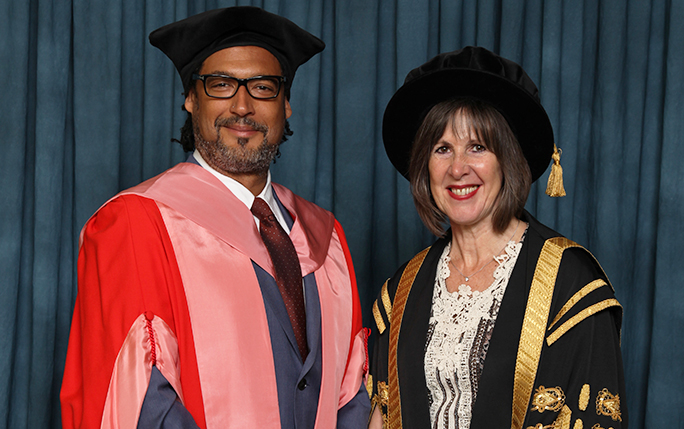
376 419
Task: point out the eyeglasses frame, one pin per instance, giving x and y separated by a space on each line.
241 82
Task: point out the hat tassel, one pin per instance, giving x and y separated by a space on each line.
554 187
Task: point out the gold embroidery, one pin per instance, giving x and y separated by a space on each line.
378 318
383 392
369 385
381 399
386 301
597 426
584 397
534 325
400 298
577 318
576 297
608 404
548 399
382 396
561 422
578 424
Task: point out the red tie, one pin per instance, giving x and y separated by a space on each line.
287 269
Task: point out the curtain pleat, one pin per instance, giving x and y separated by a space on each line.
91 108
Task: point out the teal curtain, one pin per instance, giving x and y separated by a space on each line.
90 108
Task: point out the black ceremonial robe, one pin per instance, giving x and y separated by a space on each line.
579 372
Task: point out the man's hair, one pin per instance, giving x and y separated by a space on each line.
493 131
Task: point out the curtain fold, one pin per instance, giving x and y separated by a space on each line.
91 108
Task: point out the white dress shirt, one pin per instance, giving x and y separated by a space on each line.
245 195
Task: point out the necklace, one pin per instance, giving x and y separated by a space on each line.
467 278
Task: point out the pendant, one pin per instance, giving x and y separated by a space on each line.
467 278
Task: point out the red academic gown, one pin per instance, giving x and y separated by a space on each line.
166 279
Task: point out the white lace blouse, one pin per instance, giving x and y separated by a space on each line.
461 325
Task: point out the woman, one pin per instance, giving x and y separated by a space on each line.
502 322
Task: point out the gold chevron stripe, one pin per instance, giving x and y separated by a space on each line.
576 297
378 318
574 320
386 301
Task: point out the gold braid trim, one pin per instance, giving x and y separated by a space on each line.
574 320
576 297
534 325
400 298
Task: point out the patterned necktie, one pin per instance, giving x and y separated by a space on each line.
287 269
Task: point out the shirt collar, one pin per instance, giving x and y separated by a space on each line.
245 195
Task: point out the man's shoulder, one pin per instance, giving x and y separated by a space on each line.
131 206
134 201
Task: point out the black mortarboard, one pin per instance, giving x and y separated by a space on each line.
190 41
470 72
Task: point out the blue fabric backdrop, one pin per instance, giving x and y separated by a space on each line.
90 109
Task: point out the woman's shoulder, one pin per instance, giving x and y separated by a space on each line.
573 256
576 268
418 270
421 261
580 287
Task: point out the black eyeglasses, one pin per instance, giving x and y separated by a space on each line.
259 87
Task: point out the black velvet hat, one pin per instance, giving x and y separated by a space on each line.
190 41
470 72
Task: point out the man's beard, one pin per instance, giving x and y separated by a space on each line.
239 159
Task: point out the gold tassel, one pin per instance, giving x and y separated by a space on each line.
554 188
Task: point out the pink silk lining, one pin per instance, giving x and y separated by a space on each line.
202 198
355 373
336 323
228 314
132 369
311 232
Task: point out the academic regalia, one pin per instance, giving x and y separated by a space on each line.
579 374
173 275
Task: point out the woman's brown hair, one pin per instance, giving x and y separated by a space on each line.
493 131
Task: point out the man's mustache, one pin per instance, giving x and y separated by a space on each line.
236 120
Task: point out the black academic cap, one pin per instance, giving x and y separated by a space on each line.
190 41
472 72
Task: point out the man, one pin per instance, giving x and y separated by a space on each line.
194 311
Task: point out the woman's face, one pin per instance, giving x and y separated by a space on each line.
465 176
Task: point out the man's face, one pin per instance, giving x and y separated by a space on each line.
238 135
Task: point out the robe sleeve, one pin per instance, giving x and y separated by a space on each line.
354 401
580 381
380 332
124 321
